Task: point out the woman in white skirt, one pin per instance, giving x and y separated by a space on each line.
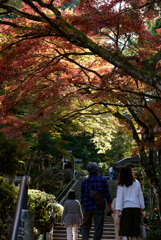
72 214
129 203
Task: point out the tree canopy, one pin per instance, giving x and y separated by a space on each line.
98 58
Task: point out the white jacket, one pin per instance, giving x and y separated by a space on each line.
130 197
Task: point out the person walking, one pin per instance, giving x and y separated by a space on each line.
111 173
116 220
90 209
129 203
72 214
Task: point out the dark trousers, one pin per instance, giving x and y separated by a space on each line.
98 223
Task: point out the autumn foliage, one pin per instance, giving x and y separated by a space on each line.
98 58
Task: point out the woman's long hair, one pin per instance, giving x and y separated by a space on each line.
126 177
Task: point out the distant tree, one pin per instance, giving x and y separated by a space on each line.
10 156
44 163
121 147
83 148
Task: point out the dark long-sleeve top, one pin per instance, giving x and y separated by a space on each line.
97 183
72 212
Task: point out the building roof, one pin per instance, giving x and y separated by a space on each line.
130 161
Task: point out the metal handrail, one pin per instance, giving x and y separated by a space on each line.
66 188
21 204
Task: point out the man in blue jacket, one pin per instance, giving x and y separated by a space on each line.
90 209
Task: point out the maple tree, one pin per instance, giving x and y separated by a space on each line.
96 59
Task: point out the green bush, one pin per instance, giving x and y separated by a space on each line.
154 234
155 227
44 205
45 208
8 196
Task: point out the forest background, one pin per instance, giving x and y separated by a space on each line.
80 75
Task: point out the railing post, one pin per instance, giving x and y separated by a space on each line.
24 203
21 222
17 215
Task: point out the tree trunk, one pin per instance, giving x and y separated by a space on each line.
152 204
151 174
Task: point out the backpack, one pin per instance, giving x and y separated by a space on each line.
97 197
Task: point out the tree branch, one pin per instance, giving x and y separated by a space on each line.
140 123
11 24
150 64
49 6
127 120
21 13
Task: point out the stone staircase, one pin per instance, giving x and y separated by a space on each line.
59 232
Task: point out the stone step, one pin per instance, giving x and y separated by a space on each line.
106 226
64 236
106 235
107 220
108 232
105 232
80 238
106 223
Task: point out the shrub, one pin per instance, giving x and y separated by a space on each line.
44 205
155 227
154 234
8 196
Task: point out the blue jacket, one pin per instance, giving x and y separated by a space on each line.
97 183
